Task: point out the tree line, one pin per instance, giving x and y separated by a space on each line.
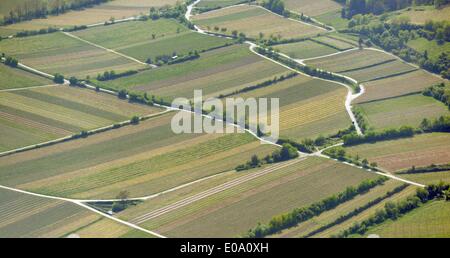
287 152
393 210
427 169
298 215
439 92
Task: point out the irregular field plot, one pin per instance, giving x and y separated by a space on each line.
428 178
350 60
253 20
312 7
404 110
432 47
305 49
59 53
416 81
336 43
37 115
220 71
143 159
409 191
421 150
308 107
381 71
11 78
99 14
296 185
334 19
328 217
421 14
136 38
429 221
212 4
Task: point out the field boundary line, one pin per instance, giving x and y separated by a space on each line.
214 190
107 49
29 88
84 206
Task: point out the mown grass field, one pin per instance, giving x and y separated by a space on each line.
404 110
432 47
59 53
216 72
420 150
294 186
143 159
136 38
11 78
420 14
312 7
333 19
308 107
428 178
37 115
212 4
308 227
117 9
429 221
253 20
337 43
382 71
413 82
305 49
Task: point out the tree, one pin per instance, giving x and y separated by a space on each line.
58 78
365 162
135 120
234 33
255 161
122 94
73 81
288 152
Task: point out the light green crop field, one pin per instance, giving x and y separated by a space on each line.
428 178
216 72
143 159
11 78
404 110
136 38
335 42
312 7
252 21
412 82
305 49
349 61
432 47
429 221
420 150
330 232
37 115
27 216
98 14
307 227
308 107
59 53
333 19
296 185
381 71
212 4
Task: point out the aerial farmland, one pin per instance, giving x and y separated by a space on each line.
343 131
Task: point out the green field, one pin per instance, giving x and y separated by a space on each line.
432 47
59 53
117 9
428 178
210 73
333 19
305 49
213 4
404 110
412 82
294 186
351 61
312 7
421 14
429 221
420 150
11 78
307 227
382 71
252 21
142 159
308 107
337 43
32 116
136 38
